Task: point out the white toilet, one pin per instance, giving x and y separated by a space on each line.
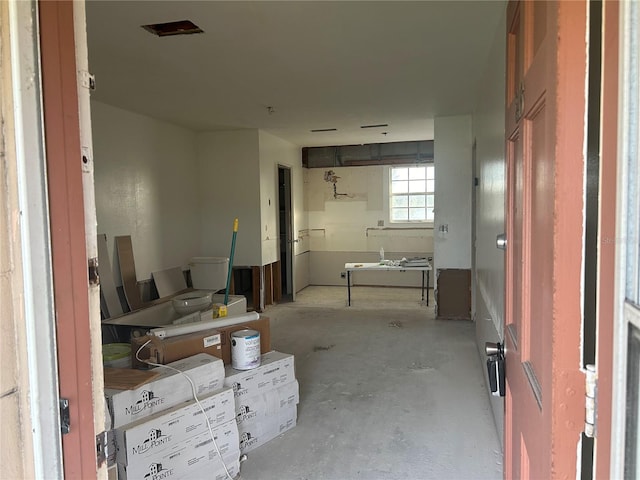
210 273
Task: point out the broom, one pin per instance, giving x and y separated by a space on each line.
233 249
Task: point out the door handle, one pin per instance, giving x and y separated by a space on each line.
496 368
501 241
492 349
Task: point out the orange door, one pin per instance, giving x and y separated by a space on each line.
545 129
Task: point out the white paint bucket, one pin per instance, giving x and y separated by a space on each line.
245 349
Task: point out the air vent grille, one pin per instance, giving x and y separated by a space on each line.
181 27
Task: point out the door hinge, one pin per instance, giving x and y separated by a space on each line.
106 448
65 416
94 278
591 401
87 80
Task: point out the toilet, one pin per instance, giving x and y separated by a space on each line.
209 273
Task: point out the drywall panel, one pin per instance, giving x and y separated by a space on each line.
416 241
146 183
301 277
229 188
345 219
360 184
486 332
355 218
452 156
488 131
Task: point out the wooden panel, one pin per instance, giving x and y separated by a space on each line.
277 281
169 281
514 52
268 285
453 294
256 284
537 344
128 378
515 173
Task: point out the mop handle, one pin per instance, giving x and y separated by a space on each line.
233 249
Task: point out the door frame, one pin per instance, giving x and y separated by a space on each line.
289 271
40 377
474 225
606 237
620 322
68 243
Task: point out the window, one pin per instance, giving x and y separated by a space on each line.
411 194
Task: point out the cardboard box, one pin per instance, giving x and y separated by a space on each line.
197 452
268 404
276 369
218 473
169 428
261 325
210 472
167 350
167 390
254 434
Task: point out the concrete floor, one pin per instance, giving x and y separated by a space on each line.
386 392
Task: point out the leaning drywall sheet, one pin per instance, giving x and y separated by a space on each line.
107 285
128 272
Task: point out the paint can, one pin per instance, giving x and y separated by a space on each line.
245 349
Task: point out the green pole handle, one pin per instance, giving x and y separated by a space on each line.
233 250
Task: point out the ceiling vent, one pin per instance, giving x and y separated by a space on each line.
181 27
324 130
375 126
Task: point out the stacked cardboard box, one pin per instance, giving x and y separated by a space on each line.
161 431
266 399
170 349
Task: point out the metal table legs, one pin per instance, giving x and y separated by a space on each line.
423 286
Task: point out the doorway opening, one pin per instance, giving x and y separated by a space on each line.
285 227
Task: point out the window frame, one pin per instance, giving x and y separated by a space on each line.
389 196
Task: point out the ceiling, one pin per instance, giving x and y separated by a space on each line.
318 65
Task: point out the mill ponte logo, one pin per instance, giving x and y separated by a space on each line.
147 400
246 440
154 439
156 472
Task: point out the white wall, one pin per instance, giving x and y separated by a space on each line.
177 192
299 182
146 184
491 191
229 186
452 156
346 229
273 152
488 130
